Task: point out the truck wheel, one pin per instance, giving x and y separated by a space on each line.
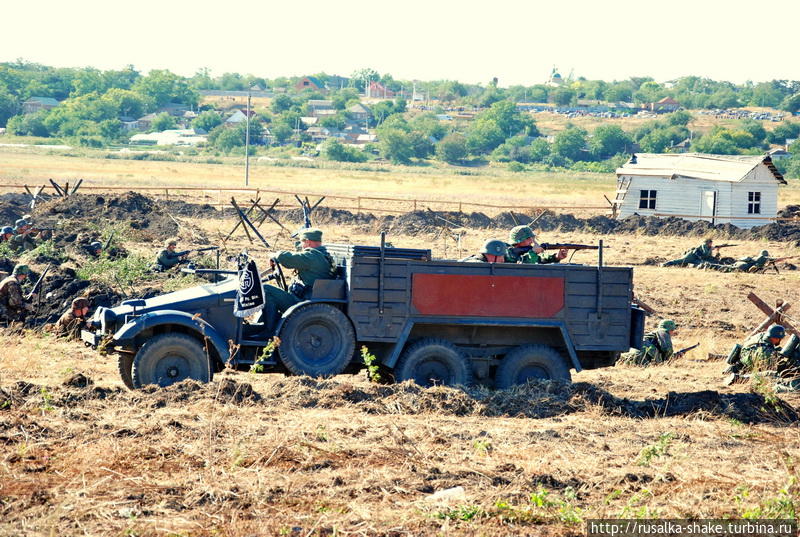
170 358
317 340
531 362
432 362
124 365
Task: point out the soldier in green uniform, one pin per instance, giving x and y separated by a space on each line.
743 264
493 251
22 238
524 248
310 264
6 234
759 352
69 325
168 257
696 256
12 302
656 346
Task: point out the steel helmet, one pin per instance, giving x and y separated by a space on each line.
80 303
764 253
6 230
20 269
494 247
520 233
96 245
667 324
776 331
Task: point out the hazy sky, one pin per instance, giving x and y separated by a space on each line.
517 41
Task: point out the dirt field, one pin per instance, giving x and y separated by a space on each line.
265 454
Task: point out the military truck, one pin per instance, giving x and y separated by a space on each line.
433 321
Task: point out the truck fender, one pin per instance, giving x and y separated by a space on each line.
299 305
394 355
149 320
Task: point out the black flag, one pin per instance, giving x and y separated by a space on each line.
250 294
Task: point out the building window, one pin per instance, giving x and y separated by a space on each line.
647 199
754 203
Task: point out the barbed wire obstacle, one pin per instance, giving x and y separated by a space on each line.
307 208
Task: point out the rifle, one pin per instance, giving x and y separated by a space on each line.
687 349
724 246
198 250
568 246
771 263
38 283
108 242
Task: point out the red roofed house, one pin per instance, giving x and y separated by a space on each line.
376 89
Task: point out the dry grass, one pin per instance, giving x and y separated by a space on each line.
268 455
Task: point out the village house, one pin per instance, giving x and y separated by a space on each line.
721 189
665 105
182 137
359 112
376 89
309 83
34 104
320 108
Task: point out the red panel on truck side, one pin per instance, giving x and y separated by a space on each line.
487 296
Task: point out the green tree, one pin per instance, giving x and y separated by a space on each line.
162 122
783 131
207 120
333 149
562 96
680 118
9 106
570 143
539 149
28 125
655 141
362 77
281 103
281 132
452 148
225 138
608 140
163 87
791 103
125 102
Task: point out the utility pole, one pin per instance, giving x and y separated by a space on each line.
247 144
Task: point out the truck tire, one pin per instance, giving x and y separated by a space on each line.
170 358
531 362
317 340
125 366
432 362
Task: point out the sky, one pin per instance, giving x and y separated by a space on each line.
519 42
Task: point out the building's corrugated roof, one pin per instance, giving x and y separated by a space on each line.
730 168
49 101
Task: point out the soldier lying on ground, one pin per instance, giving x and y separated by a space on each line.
493 251
69 325
656 346
168 257
759 352
743 264
312 263
12 303
6 234
695 256
524 248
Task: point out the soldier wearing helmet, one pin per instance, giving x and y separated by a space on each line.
695 256
12 302
759 352
493 251
524 248
73 320
22 239
656 346
168 257
96 248
743 264
6 234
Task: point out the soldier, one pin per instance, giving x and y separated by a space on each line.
311 264
758 353
22 239
696 256
70 324
6 234
168 257
44 234
743 264
493 251
12 303
656 346
524 248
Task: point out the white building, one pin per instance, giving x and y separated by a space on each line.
722 189
169 137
